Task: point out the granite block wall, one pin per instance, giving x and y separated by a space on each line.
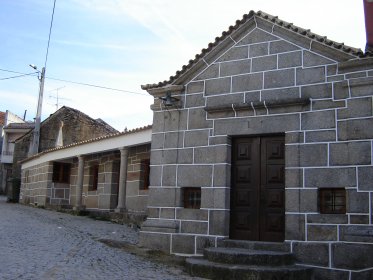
270 81
38 188
36 185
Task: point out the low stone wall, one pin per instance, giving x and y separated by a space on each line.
36 183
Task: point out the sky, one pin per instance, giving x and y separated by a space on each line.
123 44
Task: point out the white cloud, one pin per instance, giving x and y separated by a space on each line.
182 29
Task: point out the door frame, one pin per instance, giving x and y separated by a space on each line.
257 167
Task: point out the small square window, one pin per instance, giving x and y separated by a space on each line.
332 201
192 198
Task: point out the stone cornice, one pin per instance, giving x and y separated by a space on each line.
258 105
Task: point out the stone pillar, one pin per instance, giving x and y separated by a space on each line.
79 186
5 143
122 180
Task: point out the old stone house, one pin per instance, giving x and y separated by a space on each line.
64 127
266 135
100 175
12 132
13 128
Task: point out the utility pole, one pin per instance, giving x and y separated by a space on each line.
34 148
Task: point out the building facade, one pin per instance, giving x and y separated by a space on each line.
14 127
64 127
101 175
266 136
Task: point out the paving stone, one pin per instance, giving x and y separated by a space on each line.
41 244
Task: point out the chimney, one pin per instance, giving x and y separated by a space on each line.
368 10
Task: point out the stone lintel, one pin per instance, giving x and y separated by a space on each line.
258 105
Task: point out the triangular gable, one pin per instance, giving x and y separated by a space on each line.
64 113
256 28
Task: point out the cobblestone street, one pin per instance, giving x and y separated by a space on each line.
42 244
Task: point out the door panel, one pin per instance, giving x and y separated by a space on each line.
245 195
257 193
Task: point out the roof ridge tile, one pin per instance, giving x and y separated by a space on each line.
274 19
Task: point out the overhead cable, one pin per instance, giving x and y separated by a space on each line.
77 83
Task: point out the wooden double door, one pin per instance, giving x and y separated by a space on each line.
258 189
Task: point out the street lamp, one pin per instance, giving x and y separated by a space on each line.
34 148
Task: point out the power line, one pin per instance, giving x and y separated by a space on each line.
10 71
50 32
18 76
96 86
80 83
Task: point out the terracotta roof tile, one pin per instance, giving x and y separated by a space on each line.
26 125
358 53
89 141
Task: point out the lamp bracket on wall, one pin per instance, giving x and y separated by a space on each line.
170 101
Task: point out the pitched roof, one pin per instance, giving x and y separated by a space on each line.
98 122
2 118
27 125
135 130
306 33
106 126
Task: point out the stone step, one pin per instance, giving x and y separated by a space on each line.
255 245
248 257
211 270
